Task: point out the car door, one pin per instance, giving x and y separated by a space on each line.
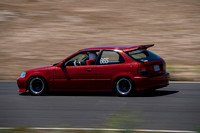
73 76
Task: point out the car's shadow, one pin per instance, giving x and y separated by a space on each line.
155 93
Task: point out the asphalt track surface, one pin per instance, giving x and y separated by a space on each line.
176 107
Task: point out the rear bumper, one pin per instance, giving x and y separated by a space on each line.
155 82
21 82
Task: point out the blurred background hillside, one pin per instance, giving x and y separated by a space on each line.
34 33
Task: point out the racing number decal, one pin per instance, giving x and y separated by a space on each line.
104 60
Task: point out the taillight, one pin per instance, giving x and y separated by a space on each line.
142 71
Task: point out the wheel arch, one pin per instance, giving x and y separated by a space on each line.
36 75
117 77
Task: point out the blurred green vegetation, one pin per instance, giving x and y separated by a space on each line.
28 130
123 119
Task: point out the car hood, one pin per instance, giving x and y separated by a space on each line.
40 68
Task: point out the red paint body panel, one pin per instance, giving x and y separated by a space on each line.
99 77
74 77
143 83
21 84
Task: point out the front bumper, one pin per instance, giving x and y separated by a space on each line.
21 82
155 82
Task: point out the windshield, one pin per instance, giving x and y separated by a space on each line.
143 55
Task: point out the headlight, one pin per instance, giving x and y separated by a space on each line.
23 75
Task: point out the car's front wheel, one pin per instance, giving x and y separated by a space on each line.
37 85
124 86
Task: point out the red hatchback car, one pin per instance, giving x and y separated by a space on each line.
120 68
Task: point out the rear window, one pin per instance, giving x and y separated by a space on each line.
143 55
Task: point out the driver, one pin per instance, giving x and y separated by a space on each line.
92 56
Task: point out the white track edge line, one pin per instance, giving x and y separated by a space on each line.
104 129
187 82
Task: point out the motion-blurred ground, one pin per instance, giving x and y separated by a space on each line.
34 33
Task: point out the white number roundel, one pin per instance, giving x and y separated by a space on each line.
104 60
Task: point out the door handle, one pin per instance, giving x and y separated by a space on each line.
89 70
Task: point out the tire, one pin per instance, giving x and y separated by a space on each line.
37 86
124 86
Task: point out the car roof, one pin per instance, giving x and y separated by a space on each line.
124 48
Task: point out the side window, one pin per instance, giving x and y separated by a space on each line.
78 60
82 58
110 57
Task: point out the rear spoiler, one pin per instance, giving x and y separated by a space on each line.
138 47
145 46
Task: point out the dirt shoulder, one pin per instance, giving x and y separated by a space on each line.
34 33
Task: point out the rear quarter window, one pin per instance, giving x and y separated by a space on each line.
110 57
143 55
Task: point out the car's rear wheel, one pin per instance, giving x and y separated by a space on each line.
37 85
124 86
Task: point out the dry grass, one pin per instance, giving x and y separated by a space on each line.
41 32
